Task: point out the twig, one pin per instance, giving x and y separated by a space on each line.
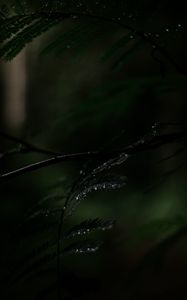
145 143
25 147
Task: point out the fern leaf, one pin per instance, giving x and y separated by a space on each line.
12 26
44 257
88 227
93 185
107 165
82 248
19 41
44 212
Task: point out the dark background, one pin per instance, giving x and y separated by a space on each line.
70 101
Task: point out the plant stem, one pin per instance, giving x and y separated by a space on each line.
146 143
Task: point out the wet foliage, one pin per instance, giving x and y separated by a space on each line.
69 29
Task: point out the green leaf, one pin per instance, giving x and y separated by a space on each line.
21 38
93 184
82 248
87 227
12 26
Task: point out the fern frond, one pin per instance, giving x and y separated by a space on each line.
12 25
108 164
82 248
93 184
44 212
33 26
88 227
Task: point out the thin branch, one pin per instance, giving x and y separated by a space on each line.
24 147
148 142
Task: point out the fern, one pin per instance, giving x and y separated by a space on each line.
50 17
90 185
36 28
82 248
20 25
56 240
87 227
13 26
50 249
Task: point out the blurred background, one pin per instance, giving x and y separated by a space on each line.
89 93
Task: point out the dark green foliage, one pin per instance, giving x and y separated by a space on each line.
82 248
50 247
87 227
13 25
46 227
91 184
33 26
